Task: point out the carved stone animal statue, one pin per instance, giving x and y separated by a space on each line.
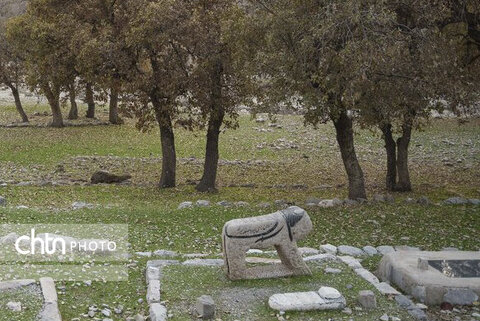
280 230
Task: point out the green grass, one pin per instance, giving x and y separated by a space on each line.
30 153
181 286
156 223
30 298
76 297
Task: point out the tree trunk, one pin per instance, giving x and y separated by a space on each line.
169 156
73 114
53 98
404 184
90 101
18 103
217 114
356 182
113 112
207 183
391 149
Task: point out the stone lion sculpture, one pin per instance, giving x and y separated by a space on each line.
280 230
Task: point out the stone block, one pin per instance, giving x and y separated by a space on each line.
460 296
328 248
158 312
350 250
205 307
153 292
367 299
308 301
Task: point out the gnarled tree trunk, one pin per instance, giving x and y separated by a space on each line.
217 114
53 97
18 102
73 114
391 149
90 101
113 110
404 184
356 182
167 137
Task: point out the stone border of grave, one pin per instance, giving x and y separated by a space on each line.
327 252
50 310
412 273
153 274
329 203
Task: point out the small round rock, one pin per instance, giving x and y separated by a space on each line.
329 293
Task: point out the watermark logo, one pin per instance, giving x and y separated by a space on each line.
49 245
68 252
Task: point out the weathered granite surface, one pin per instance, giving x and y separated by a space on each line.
280 230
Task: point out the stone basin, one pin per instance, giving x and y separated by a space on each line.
434 277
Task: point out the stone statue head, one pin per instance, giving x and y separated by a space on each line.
298 223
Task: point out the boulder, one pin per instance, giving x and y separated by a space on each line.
102 177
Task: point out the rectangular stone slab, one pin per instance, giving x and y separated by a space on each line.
457 268
304 301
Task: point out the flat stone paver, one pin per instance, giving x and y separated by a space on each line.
158 312
153 292
308 301
12 285
204 262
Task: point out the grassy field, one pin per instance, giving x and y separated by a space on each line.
292 163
